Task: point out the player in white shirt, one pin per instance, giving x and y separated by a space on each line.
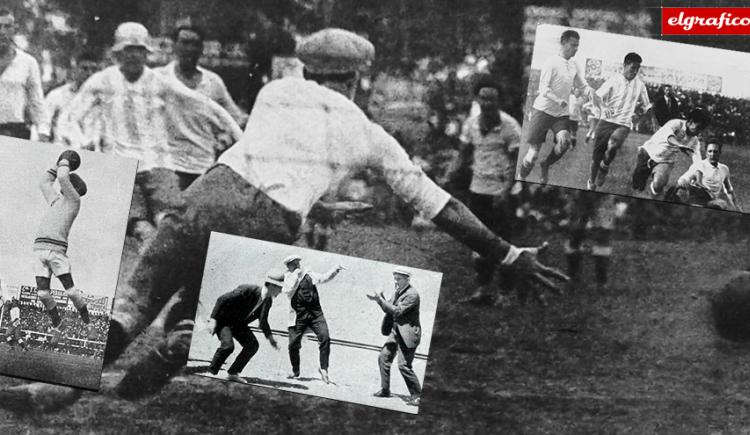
550 111
188 48
21 96
174 132
620 94
712 177
658 154
304 137
58 100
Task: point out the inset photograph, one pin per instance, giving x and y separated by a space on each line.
638 117
314 322
62 229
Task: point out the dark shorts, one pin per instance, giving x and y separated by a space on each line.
604 131
573 127
540 122
642 171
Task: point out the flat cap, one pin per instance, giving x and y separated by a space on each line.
275 277
402 271
291 258
335 51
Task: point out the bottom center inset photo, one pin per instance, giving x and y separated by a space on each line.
314 322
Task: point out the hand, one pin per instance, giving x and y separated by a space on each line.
373 296
273 342
528 271
563 104
211 325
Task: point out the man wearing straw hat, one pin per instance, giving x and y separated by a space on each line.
401 325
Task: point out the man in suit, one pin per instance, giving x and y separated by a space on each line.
666 106
230 318
300 285
401 325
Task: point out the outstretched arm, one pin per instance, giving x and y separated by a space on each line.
406 304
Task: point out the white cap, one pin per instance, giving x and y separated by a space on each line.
291 258
131 34
402 271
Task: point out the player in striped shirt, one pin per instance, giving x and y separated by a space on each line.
619 94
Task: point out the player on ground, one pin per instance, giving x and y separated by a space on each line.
712 178
619 94
14 335
560 74
304 137
657 155
51 243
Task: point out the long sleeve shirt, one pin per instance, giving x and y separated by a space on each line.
303 139
21 90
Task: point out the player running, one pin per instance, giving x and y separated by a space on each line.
657 156
705 182
51 243
560 74
619 94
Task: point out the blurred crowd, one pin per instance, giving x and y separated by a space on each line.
35 320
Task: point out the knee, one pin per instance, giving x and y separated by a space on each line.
294 345
325 340
383 359
531 156
404 366
227 346
75 295
563 141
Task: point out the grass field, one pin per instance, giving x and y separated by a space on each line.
641 358
58 368
574 168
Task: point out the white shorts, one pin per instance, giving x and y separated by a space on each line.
48 262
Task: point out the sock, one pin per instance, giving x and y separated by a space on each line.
54 314
85 315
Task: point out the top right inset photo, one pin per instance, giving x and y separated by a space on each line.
637 117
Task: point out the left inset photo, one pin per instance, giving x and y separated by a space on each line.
63 217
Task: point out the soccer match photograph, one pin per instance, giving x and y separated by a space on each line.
635 116
333 326
62 229
314 176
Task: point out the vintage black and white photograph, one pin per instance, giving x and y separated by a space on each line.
327 325
388 132
62 229
636 116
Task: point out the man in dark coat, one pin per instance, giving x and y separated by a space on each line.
666 106
230 318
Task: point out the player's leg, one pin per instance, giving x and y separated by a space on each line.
562 143
62 270
226 347
249 343
574 252
536 133
661 173
385 359
295 343
642 170
602 253
616 138
573 129
43 272
601 138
